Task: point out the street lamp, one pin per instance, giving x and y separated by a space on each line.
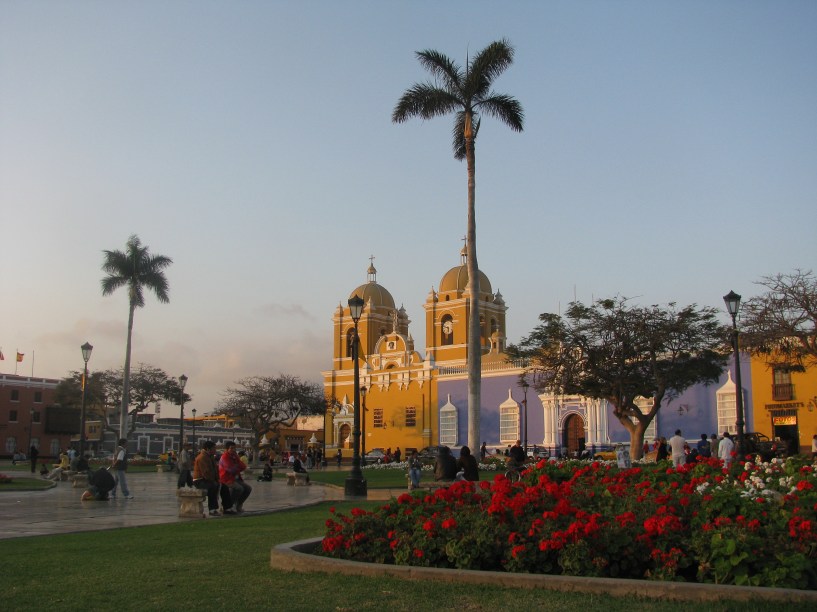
194 430
363 391
732 301
182 383
86 355
355 483
524 384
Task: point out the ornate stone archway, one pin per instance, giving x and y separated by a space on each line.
573 435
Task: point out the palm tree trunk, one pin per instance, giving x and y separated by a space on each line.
123 412
474 331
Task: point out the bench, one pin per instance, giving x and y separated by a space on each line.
296 479
161 467
191 502
79 480
67 475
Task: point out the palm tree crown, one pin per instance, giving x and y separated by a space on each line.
136 269
467 93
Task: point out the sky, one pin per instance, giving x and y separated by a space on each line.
669 154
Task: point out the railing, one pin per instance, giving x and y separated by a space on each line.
486 367
783 392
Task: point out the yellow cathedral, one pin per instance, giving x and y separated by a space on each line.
398 384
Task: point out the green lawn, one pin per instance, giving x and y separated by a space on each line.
21 483
224 565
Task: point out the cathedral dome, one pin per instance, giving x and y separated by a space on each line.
379 295
456 279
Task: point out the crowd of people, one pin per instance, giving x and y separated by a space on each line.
681 452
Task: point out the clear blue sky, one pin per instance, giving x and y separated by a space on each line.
669 154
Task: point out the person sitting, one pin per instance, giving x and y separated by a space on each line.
467 468
100 483
230 467
64 463
445 467
516 456
298 467
205 478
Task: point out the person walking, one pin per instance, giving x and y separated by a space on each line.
713 445
725 449
704 448
33 453
185 466
120 468
415 470
676 447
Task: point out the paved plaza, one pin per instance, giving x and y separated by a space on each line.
59 509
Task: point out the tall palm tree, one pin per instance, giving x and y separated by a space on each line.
467 93
137 269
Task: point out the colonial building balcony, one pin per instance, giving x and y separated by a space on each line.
783 392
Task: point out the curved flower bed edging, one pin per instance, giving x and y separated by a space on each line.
298 556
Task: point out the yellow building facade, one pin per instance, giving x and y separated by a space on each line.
400 407
784 402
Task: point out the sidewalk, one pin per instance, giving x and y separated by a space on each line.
59 509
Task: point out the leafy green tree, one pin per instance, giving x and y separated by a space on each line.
149 385
617 352
467 93
136 269
266 403
781 324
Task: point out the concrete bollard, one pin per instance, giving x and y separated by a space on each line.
191 502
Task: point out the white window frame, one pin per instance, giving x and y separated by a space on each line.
508 424
449 424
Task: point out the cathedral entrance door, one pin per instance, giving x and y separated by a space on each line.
573 436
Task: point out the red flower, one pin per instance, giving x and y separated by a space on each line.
428 525
418 553
449 523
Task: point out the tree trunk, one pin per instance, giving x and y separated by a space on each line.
123 412
636 431
474 331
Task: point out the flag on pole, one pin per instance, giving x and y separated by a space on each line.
19 356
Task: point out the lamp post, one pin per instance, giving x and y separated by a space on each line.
355 483
86 355
182 383
194 430
732 301
525 386
363 391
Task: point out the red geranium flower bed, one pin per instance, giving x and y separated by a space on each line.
754 524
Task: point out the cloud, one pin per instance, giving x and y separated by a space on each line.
277 311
